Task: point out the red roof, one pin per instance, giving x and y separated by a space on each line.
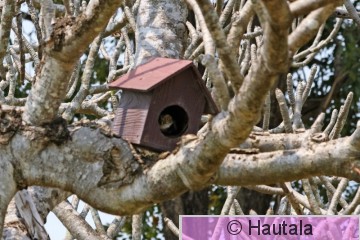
147 76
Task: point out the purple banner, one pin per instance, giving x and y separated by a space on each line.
266 227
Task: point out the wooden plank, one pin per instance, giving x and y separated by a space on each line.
129 124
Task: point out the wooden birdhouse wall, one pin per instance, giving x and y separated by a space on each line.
131 115
180 97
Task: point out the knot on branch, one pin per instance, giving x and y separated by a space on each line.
57 131
10 122
320 137
60 27
119 169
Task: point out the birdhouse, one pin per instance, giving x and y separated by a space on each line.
160 101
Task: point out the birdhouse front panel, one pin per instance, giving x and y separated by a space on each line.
175 110
131 114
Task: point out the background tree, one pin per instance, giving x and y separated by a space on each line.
54 79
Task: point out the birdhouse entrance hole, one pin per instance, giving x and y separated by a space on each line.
173 121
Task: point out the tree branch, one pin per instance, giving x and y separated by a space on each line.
227 57
62 53
87 26
160 42
106 167
309 27
81 229
238 26
8 11
299 8
266 168
352 12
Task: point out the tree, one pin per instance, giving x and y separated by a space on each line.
49 148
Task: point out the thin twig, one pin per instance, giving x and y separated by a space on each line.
284 207
137 226
297 122
73 81
290 90
226 12
337 195
266 116
7 14
332 122
115 227
331 190
35 21
85 211
315 191
354 203
131 19
237 207
170 224
96 218
318 124
231 69
75 202
311 52
291 197
343 113
309 83
231 194
314 205
352 12
220 91
284 110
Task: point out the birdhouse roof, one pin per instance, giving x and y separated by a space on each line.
147 76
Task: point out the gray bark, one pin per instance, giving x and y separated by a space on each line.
161 30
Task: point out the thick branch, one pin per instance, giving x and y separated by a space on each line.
331 158
93 162
62 53
309 27
48 91
155 40
88 26
299 8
